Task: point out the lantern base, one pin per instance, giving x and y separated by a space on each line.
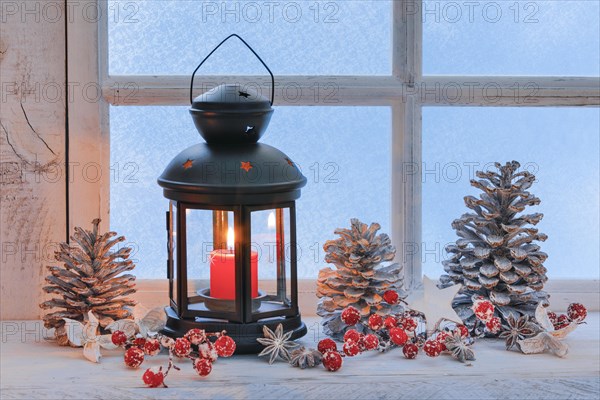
245 335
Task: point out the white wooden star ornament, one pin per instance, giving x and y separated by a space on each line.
436 304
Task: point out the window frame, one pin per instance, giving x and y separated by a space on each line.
403 91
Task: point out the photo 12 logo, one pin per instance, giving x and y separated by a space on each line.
453 12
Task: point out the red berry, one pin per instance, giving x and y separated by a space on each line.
577 312
375 322
432 348
553 317
332 361
464 332
493 325
370 342
154 377
441 339
409 324
351 348
352 335
484 310
118 338
562 321
195 336
182 347
133 357
350 316
390 322
326 345
152 347
391 296
398 336
202 366
410 351
225 346
139 342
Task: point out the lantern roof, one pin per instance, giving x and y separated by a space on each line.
232 174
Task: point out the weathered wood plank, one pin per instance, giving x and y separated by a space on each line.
32 161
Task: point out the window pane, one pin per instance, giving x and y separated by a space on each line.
560 146
343 151
292 37
558 37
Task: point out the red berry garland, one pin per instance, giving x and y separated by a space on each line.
118 338
133 357
398 336
332 361
326 345
410 351
202 366
352 335
152 347
391 297
182 347
375 322
432 348
154 377
577 312
225 346
350 316
351 348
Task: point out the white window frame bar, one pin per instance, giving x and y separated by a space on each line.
405 91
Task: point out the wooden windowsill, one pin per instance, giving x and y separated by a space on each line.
34 368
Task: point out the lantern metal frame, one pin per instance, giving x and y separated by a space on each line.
232 120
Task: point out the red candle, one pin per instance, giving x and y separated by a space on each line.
222 272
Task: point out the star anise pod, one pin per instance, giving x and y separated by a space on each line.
459 349
518 329
277 344
305 358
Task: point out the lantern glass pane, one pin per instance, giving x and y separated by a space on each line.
560 146
292 37
211 258
542 37
270 244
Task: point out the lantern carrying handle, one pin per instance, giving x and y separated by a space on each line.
253 52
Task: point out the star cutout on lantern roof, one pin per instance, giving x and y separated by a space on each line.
188 164
246 166
436 304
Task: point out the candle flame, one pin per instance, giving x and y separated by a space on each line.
271 220
230 238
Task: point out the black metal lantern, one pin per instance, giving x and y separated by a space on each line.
232 222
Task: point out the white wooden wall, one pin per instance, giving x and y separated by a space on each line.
32 151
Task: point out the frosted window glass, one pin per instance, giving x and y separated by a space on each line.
343 151
559 145
292 37
557 37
